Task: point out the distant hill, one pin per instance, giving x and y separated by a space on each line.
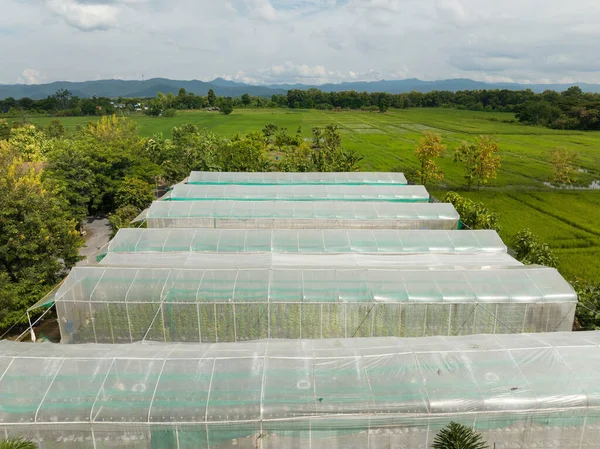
149 88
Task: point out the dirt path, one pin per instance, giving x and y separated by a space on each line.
97 235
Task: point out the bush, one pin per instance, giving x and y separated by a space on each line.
457 436
169 112
587 317
17 443
531 251
474 215
122 217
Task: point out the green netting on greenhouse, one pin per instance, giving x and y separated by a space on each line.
402 194
122 305
279 178
308 241
360 393
301 215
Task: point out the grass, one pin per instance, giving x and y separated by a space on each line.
567 220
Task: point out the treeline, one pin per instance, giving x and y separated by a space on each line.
50 181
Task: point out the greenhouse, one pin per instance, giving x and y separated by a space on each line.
376 241
301 215
519 391
400 194
123 305
285 178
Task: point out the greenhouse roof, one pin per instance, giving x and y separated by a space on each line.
380 241
205 260
297 285
303 380
302 210
402 193
281 178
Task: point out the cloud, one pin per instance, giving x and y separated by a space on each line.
31 76
309 41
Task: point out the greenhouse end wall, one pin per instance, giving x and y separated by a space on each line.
519 391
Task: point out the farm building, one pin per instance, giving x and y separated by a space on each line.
519 391
281 178
307 241
357 193
301 215
123 305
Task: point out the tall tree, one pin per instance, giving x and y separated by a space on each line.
63 98
430 147
564 170
479 160
212 98
246 100
226 106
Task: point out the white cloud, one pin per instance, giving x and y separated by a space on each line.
31 76
85 16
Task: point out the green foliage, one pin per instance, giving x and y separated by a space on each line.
169 112
4 129
429 148
226 106
587 316
212 98
55 129
564 170
531 251
38 239
458 436
473 214
17 443
122 217
134 192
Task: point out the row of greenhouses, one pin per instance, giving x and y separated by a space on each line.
304 310
519 391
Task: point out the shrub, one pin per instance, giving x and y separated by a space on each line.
531 251
587 316
457 436
474 215
17 443
169 112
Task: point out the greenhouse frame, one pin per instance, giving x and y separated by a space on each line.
518 391
301 215
294 178
307 241
124 305
400 194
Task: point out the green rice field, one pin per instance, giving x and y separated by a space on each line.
568 220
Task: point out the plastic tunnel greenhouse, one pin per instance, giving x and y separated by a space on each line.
401 194
123 305
301 215
282 178
519 391
366 241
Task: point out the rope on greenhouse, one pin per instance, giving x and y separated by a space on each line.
466 319
364 319
499 320
566 315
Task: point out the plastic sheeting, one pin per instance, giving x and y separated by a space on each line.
301 215
280 178
326 241
276 260
519 391
122 305
401 194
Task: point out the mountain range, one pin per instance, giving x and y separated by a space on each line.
149 88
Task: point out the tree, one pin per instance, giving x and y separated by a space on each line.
38 238
246 100
429 148
55 129
479 160
17 443
134 192
564 170
226 106
62 98
457 436
532 251
4 130
212 98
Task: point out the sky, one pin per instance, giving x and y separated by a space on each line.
306 41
